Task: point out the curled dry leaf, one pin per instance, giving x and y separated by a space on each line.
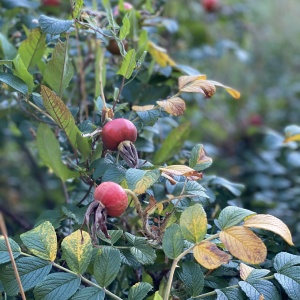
204 87
181 170
184 81
174 106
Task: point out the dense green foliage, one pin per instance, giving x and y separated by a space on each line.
65 72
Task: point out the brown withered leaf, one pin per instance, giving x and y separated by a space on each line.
186 80
210 256
174 106
151 207
142 108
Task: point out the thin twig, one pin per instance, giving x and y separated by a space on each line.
175 262
86 195
4 232
65 189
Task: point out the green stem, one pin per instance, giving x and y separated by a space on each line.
175 262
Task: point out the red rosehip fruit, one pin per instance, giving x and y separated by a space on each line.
51 2
113 197
116 132
210 5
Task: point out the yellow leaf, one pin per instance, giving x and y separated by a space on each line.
271 223
160 55
242 243
193 223
77 250
234 93
210 256
245 271
160 207
185 80
292 138
142 108
174 106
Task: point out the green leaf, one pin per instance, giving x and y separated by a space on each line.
20 70
257 274
4 255
7 50
288 273
199 161
59 71
173 242
192 278
114 236
144 253
77 251
232 215
32 271
49 151
54 216
14 82
172 144
53 25
284 260
257 288
128 64
139 291
57 286
139 180
64 119
149 117
193 223
234 188
195 188
89 293
125 29
32 49
41 241
76 8
114 173
230 294
107 265
290 281
157 296
73 212
143 42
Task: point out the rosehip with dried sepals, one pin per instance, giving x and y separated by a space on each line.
116 132
113 197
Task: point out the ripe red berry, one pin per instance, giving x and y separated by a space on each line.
116 132
113 197
210 5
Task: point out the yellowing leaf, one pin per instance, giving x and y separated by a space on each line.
77 250
242 243
271 223
200 86
142 108
185 80
210 256
160 55
292 138
174 106
234 93
245 271
193 223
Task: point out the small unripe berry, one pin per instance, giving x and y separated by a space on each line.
113 197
